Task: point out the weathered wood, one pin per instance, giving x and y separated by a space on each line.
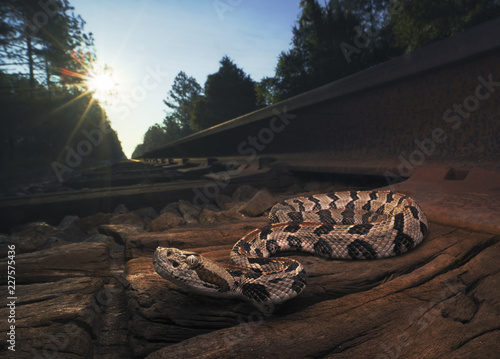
139 243
71 260
439 300
55 319
103 299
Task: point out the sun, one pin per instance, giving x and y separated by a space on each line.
95 79
103 85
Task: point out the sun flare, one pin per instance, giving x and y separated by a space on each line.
103 85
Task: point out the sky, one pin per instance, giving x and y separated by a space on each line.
148 42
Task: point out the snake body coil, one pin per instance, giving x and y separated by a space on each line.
339 225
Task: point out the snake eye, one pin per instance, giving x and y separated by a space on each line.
192 260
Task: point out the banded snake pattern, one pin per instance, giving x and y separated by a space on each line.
337 225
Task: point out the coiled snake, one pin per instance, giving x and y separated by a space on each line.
338 225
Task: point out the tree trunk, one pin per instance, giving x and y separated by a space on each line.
47 72
30 62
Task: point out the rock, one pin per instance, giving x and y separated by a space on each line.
260 202
312 186
209 216
120 232
172 207
71 233
165 221
121 209
189 219
244 193
31 237
294 188
100 238
227 203
54 242
128 218
67 221
188 209
221 200
91 223
212 207
148 213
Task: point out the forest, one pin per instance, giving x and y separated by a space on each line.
330 40
50 123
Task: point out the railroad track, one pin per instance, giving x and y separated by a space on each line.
371 129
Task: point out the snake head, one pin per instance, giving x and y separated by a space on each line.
173 264
192 271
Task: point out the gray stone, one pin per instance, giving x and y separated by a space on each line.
128 218
148 213
222 200
121 209
208 216
31 237
244 193
172 207
260 202
99 238
54 242
91 223
165 221
187 208
312 186
189 219
67 221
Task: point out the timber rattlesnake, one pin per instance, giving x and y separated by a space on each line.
338 225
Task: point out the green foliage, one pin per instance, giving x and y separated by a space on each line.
181 98
156 136
229 93
39 37
42 119
316 56
370 31
46 125
181 101
422 22
266 92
